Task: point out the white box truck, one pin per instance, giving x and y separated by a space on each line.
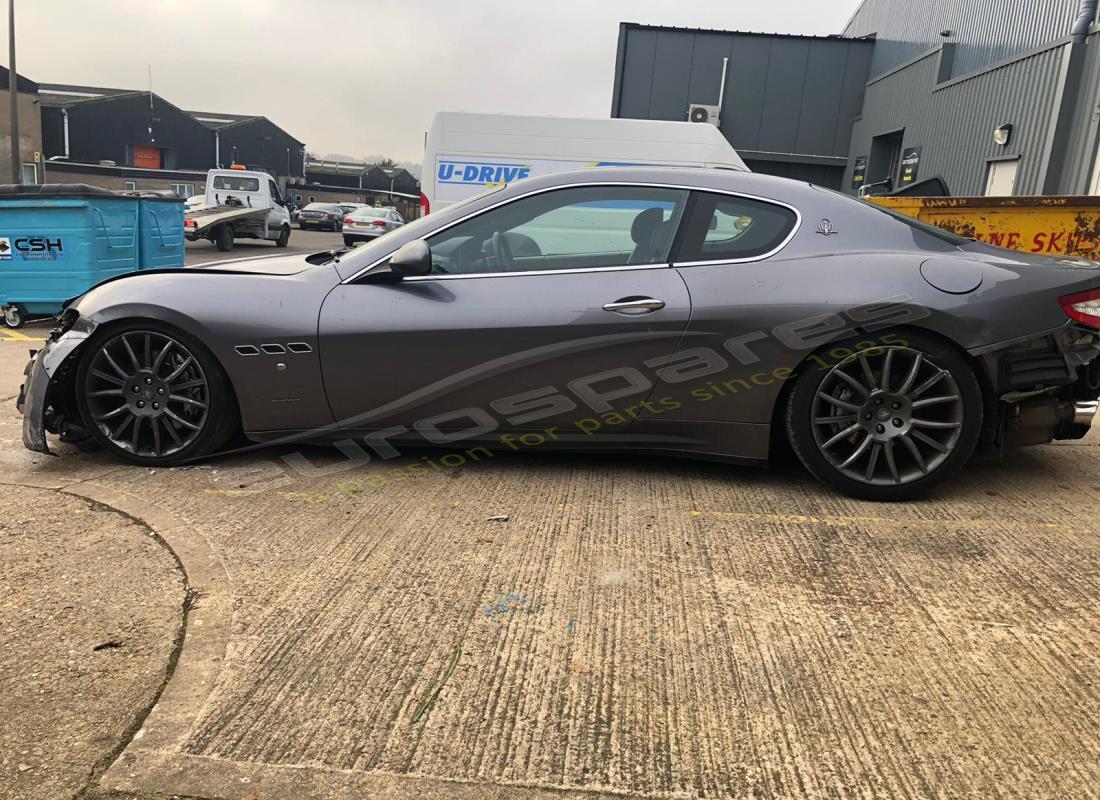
465 153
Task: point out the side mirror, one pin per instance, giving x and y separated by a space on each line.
411 259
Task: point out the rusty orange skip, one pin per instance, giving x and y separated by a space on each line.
1055 226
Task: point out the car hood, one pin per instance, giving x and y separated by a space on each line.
257 265
277 266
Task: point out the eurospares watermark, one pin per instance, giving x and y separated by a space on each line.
608 399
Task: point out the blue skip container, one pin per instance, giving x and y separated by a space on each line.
59 240
160 231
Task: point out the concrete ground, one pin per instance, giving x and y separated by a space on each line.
92 609
638 627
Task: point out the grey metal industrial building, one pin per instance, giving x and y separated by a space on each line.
994 97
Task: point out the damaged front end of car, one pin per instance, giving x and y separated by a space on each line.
47 398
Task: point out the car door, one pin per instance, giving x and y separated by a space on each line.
277 214
547 312
737 353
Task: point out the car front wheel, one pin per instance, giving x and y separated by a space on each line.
885 422
153 395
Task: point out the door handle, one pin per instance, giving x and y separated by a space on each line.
635 305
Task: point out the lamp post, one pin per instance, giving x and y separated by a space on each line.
13 97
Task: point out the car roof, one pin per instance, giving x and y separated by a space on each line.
691 177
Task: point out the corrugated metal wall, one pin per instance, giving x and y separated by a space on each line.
784 94
953 123
986 31
1081 150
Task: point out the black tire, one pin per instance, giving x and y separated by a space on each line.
902 440
200 413
223 238
284 237
349 241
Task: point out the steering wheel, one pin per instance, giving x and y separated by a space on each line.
502 251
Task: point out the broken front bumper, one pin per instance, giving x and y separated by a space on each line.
32 404
43 372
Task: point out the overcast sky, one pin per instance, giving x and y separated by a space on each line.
358 77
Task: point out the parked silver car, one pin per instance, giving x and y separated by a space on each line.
368 223
717 314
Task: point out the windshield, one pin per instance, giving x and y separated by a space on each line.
371 212
235 183
320 207
424 225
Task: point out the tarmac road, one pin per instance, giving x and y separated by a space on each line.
638 626
203 252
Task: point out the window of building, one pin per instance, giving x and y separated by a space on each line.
183 190
583 228
1000 179
130 186
30 174
726 228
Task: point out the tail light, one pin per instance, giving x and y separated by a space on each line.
381 223
190 223
348 221
425 206
1083 307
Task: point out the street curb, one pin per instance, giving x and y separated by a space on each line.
205 631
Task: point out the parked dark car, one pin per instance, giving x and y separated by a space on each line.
710 313
321 217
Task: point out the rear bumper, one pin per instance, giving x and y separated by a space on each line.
359 233
1045 387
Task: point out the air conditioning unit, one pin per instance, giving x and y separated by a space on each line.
701 113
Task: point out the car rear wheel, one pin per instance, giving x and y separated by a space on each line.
885 422
284 237
154 396
223 238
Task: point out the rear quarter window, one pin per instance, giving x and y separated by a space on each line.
729 228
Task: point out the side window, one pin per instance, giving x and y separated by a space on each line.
727 228
274 189
579 228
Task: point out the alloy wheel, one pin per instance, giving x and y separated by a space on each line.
887 416
147 393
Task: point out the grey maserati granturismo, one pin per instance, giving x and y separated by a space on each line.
705 313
